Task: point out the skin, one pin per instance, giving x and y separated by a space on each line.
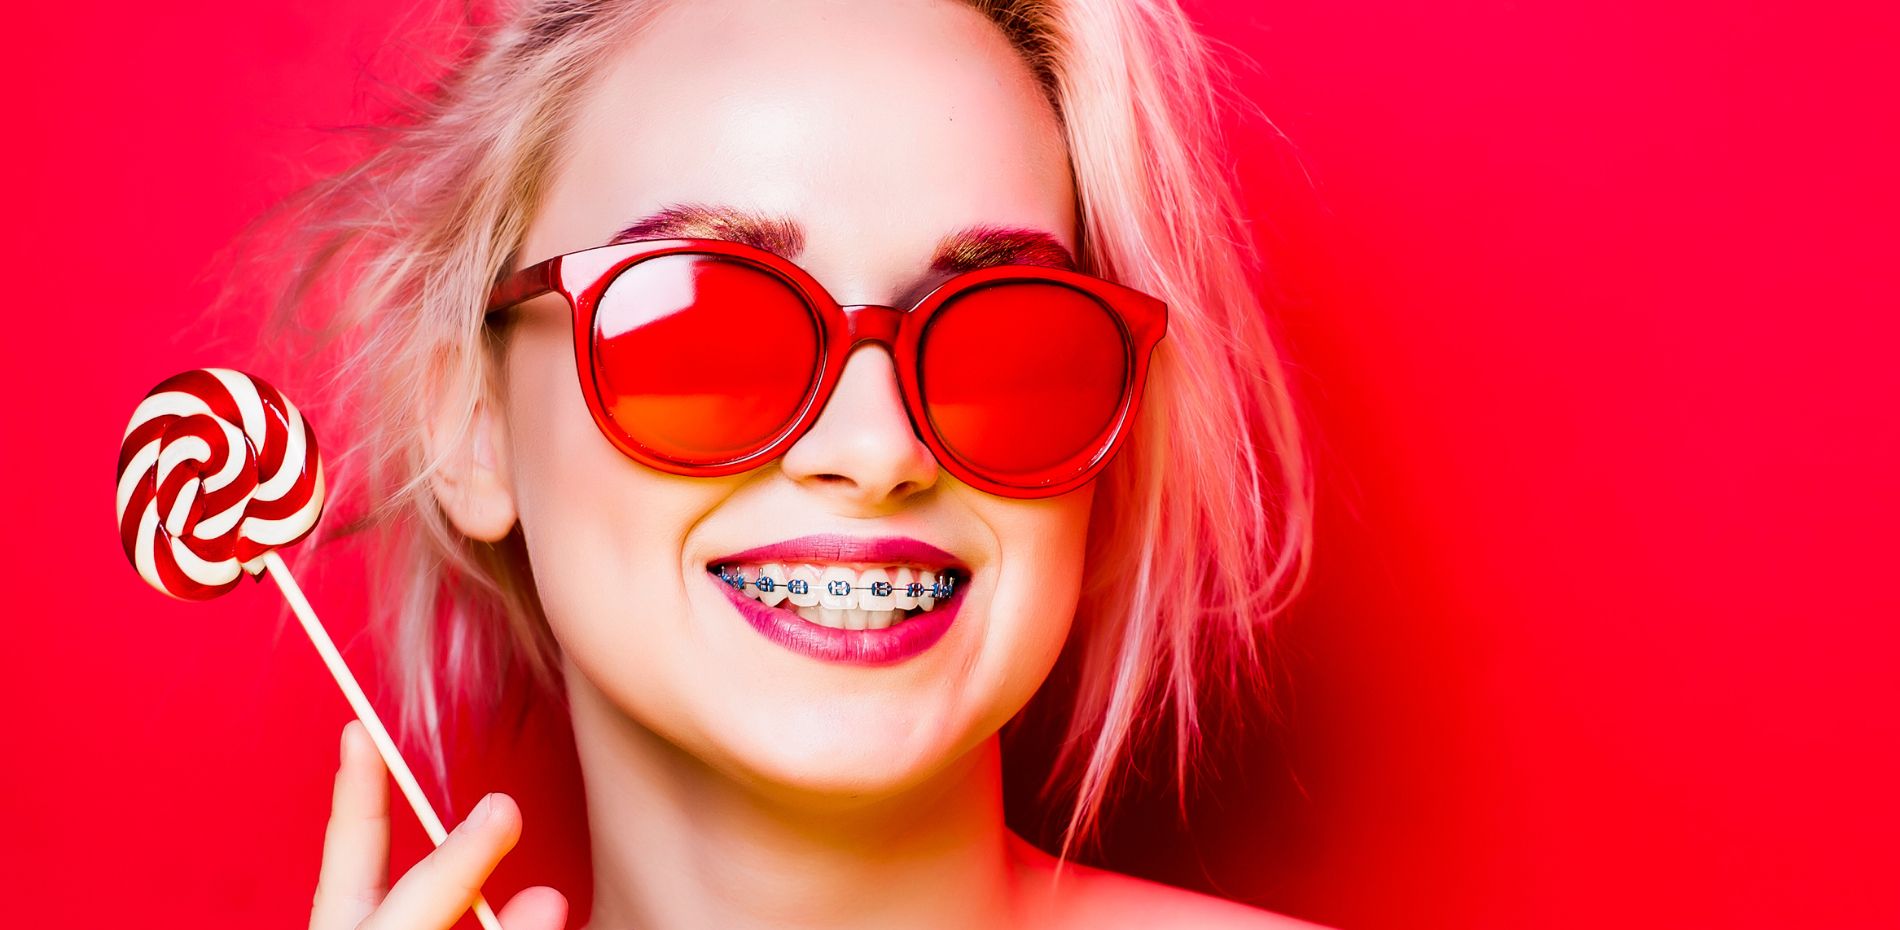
731 782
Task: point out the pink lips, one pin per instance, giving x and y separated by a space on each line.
858 647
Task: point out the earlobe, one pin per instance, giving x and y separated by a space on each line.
471 482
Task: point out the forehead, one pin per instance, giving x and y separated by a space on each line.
878 126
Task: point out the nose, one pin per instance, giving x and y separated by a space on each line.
863 450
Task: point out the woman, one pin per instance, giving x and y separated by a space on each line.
1101 454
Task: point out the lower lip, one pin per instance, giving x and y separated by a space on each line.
852 647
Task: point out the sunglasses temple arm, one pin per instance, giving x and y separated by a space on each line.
529 282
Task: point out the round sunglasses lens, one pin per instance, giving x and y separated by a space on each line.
1023 380
703 359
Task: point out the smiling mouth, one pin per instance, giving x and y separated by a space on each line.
845 596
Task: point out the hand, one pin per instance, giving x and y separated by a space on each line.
353 890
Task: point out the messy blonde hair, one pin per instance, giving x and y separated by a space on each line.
1201 531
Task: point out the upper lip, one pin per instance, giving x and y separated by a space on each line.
835 547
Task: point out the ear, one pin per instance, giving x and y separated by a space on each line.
472 485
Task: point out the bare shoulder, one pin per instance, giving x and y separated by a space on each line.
1105 900
1111 899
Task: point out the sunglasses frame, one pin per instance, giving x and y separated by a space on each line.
583 277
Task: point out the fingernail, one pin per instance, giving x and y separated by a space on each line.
486 809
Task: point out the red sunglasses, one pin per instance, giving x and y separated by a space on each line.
705 357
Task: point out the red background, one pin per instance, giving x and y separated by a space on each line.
1592 309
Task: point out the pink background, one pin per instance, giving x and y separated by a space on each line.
1593 312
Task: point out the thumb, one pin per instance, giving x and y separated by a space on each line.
535 908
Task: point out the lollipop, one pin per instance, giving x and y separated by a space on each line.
216 472
217 469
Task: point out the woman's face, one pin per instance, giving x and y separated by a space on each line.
878 130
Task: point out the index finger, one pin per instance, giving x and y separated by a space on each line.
436 891
355 872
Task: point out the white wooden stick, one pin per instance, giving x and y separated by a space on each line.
392 759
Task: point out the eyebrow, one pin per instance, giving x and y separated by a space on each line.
964 250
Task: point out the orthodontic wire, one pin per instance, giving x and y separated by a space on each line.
940 588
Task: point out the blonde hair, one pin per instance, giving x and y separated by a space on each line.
1201 531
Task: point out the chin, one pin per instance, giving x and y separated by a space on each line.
832 752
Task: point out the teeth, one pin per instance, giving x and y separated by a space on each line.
926 579
837 588
803 587
775 574
903 599
839 597
868 598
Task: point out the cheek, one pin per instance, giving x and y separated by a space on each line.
569 484
603 533
1038 580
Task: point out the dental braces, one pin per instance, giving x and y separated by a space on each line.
837 587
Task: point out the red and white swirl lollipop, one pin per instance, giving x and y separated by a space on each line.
217 469
216 472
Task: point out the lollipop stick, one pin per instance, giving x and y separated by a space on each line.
366 713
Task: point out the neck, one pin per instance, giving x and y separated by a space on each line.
677 843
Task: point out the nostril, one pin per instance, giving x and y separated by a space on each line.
864 443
